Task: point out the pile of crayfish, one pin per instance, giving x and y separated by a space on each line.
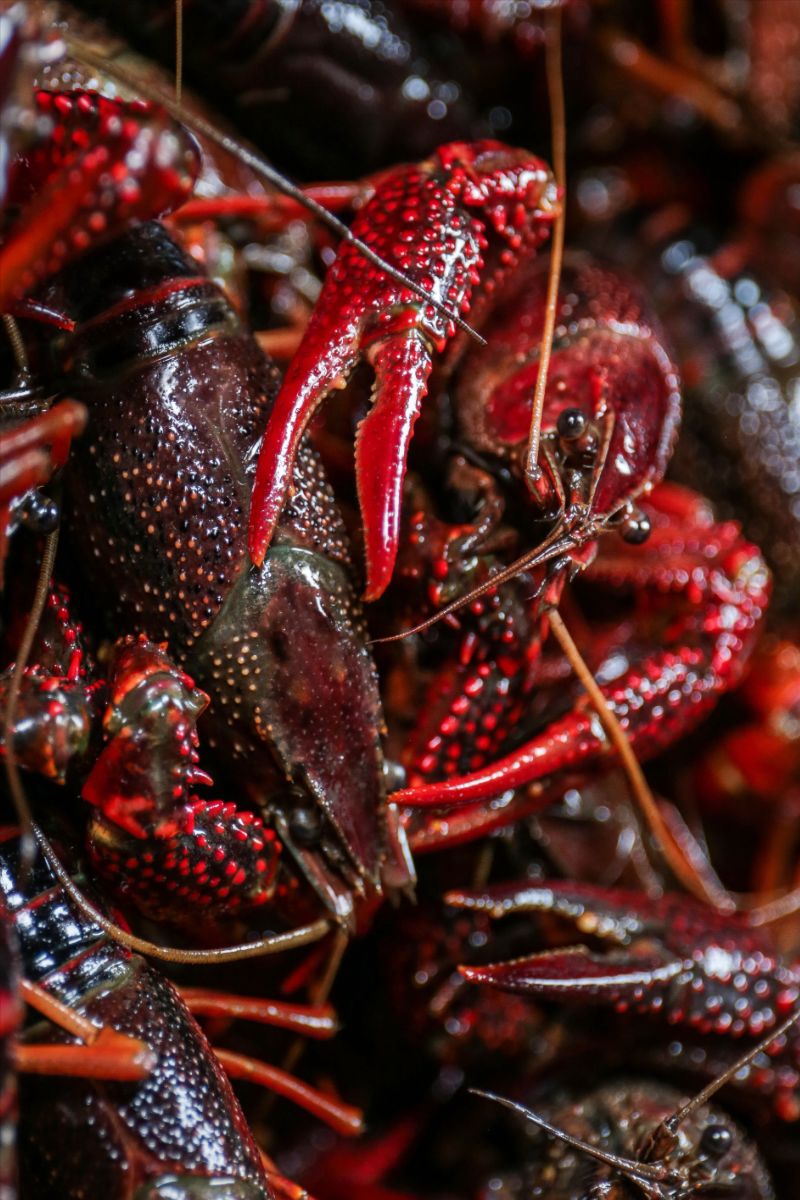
400 600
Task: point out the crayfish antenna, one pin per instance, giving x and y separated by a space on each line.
197 124
686 869
178 51
664 1135
555 91
647 1176
555 545
269 944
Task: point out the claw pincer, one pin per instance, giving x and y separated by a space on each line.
150 835
178 392
714 973
461 219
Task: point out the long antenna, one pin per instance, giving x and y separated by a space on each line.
271 944
558 124
642 1173
682 866
680 1115
15 785
256 163
561 540
556 543
178 51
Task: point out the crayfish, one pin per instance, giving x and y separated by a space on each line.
421 584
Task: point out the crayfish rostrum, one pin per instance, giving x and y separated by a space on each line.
524 664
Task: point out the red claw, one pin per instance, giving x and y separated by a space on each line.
671 957
463 217
402 368
560 974
719 589
106 163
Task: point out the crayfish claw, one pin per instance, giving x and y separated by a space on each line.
402 366
323 362
576 972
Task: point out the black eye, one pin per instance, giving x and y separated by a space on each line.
40 513
305 824
394 774
635 529
716 1140
570 424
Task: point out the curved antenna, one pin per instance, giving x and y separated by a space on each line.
558 124
13 777
670 1124
645 1175
562 538
556 543
271 944
178 51
256 163
682 866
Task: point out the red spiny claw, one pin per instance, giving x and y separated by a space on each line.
708 590
640 968
461 218
693 966
402 366
150 835
106 163
207 855
29 453
52 430
57 702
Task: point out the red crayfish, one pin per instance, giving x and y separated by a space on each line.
541 604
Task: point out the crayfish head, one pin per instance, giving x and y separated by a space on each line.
601 1143
611 404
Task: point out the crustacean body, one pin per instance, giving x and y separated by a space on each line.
148 303
124 1143
462 218
674 958
479 707
610 417
172 532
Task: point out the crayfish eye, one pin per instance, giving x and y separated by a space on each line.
305 824
39 513
394 774
635 528
570 424
716 1140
